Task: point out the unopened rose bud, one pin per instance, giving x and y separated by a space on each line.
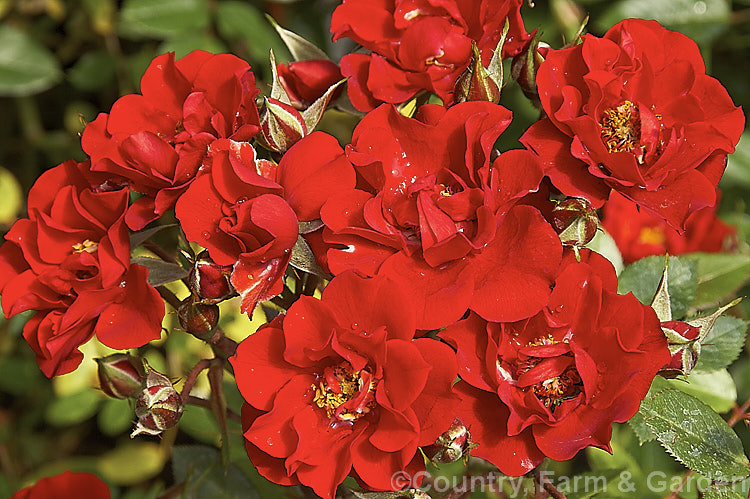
198 319
120 375
281 126
524 66
209 281
682 340
476 84
159 406
306 81
452 445
576 222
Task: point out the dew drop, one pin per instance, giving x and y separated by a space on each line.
206 234
355 325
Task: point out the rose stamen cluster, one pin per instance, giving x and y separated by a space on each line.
345 394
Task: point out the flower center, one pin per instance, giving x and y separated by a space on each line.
546 366
621 127
652 235
345 394
87 246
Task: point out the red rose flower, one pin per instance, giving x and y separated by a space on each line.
634 112
306 81
64 486
158 140
245 211
436 215
419 45
70 260
554 383
639 234
340 386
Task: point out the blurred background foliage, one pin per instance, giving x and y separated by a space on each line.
62 62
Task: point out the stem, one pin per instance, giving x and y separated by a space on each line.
675 493
169 297
158 251
545 488
739 413
193 376
206 404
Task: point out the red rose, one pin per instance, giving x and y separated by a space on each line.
70 260
639 234
158 140
340 386
245 211
306 81
419 45
64 486
634 112
554 383
436 215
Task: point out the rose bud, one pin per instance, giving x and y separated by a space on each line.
682 339
452 445
306 81
476 84
210 281
120 375
281 126
159 406
198 319
575 220
524 66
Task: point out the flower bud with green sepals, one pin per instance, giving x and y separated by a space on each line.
159 406
576 221
452 445
210 281
120 375
476 84
198 319
524 66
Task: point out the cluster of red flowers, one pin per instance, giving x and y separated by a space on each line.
424 225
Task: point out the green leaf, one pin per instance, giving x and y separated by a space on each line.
26 66
723 344
199 423
716 491
716 388
93 71
643 277
719 275
695 435
200 468
237 20
641 429
163 19
588 484
159 271
115 417
304 259
73 409
131 463
185 43
11 197
138 238
701 20
301 49
738 164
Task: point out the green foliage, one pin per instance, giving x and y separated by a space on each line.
199 468
146 18
26 66
643 277
723 344
719 275
695 435
702 20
